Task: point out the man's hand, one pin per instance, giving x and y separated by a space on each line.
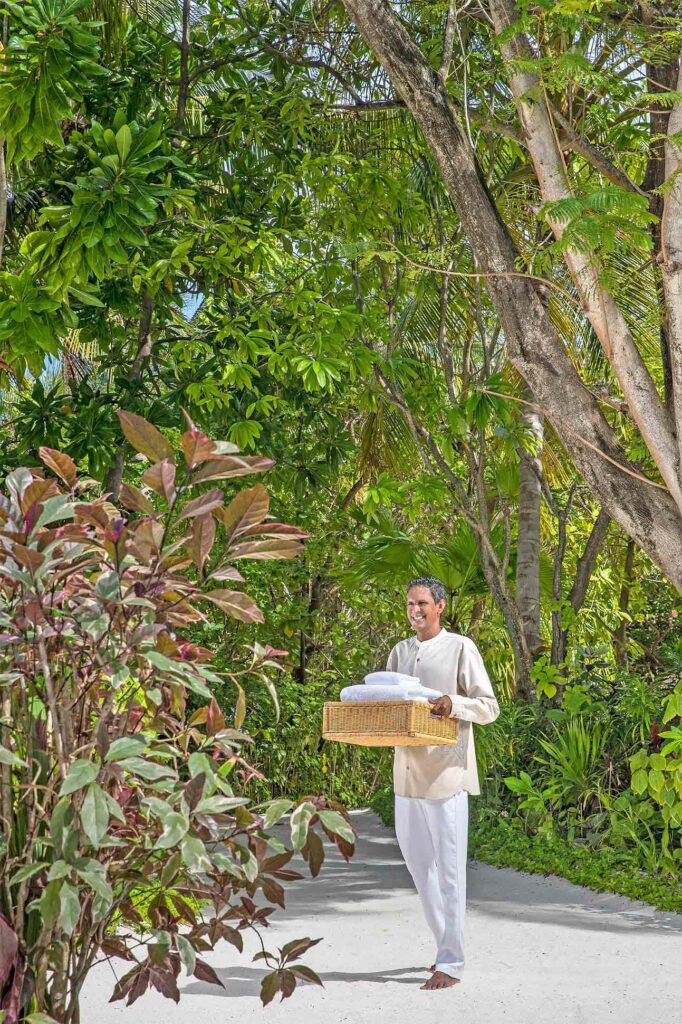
440 706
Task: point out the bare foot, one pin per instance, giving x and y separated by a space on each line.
439 980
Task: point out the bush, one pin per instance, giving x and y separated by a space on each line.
119 814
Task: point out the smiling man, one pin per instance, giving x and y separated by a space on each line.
432 783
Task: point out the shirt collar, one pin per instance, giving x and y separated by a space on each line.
426 644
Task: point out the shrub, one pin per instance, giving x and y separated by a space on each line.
119 818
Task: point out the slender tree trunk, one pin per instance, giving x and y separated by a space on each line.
578 591
528 537
144 350
183 90
620 640
660 78
476 619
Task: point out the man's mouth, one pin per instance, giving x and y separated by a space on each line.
419 618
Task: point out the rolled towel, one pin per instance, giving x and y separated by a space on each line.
389 679
364 692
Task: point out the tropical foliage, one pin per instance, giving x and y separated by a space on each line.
242 211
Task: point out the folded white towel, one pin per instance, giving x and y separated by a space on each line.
364 692
389 679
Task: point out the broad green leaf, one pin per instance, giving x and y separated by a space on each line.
27 871
126 746
276 810
146 769
81 774
70 907
300 820
175 827
124 141
187 953
336 823
639 781
95 814
194 854
7 757
49 904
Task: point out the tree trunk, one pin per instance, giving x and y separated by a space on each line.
528 537
646 513
144 349
578 592
620 640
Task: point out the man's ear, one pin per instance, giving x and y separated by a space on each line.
441 608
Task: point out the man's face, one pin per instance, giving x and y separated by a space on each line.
422 611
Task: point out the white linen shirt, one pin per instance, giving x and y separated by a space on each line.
452 664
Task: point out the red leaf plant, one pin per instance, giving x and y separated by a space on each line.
122 834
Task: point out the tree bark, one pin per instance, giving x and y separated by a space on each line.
528 534
144 349
183 90
647 515
671 259
620 640
578 592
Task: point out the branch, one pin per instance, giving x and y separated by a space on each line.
585 567
448 41
594 155
184 67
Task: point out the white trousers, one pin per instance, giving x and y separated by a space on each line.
432 835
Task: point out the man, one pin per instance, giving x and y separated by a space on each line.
432 783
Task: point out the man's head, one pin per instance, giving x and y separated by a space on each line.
425 605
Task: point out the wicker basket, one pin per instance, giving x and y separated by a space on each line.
387 723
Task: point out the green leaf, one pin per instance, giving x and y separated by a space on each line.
149 770
70 907
81 774
337 824
175 826
124 141
300 820
194 855
639 781
27 871
276 810
49 904
126 746
94 875
7 757
95 814
187 953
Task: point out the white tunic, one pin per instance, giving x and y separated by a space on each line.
452 664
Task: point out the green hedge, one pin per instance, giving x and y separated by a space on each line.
502 843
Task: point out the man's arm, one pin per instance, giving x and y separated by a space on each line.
392 662
477 702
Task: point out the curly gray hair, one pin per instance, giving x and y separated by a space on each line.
436 587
